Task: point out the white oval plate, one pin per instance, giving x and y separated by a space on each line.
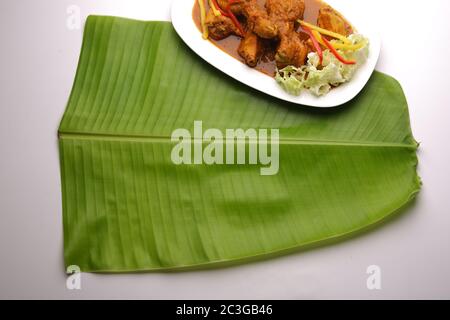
188 31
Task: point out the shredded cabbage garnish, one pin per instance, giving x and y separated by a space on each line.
320 79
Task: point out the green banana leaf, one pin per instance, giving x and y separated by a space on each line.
128 207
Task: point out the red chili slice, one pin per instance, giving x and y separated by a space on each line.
233 17
335 53
315 43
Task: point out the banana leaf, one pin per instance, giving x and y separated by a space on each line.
127 207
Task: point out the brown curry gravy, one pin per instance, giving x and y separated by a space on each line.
267 63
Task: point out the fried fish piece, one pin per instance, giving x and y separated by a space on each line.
276 20
250 49
285 10
332 20
291 49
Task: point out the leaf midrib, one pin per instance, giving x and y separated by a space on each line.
285 141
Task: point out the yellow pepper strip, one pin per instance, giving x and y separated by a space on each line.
214 9
325 32
318 36
205 29
339 46
348 47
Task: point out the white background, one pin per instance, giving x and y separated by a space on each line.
38 59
